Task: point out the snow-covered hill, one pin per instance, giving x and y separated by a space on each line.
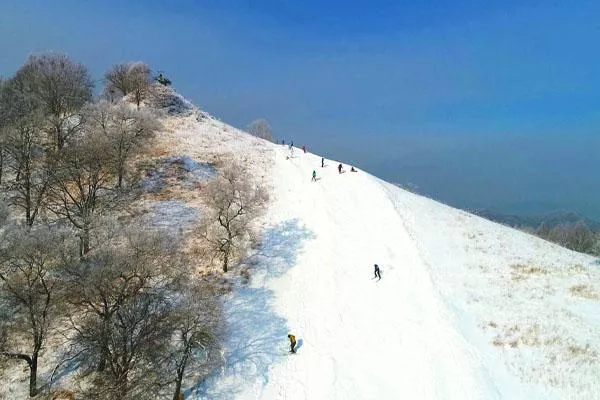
466 308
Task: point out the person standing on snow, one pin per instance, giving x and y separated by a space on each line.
322 162
304 149
340 168
314 176
377 272
292 343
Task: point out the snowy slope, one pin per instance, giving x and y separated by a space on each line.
466 308
456 316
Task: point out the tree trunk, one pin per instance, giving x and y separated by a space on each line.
33 376
84 247
1 164
104 344
225 261
177 394
227 250
28 218
122 385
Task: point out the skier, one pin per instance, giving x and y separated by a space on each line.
304 149
377 272
340 168
352 169
314 176
322 162
292 343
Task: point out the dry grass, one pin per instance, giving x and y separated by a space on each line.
584 291
63 395
519 272
585 354
516 336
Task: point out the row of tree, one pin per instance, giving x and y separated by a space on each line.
132 321
75 266
575 236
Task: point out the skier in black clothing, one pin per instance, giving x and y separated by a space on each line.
322 162
377 272
340 168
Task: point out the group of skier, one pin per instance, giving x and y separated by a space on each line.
377 270
340 169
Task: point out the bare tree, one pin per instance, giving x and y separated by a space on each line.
580 238
126 130
123 292
574 236
196 321
117 80
62 87
22 143
30 288
80 188
261 128
234 202
133 78
118 270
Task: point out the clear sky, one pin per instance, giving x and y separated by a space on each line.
476 104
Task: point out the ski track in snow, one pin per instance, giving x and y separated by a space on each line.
361 338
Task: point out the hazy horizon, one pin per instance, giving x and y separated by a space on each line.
477 105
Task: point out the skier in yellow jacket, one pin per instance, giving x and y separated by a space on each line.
292 343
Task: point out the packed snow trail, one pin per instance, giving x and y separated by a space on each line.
359 338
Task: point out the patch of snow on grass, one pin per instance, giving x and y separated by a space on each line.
177 170
173 215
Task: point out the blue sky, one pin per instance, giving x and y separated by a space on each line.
477 105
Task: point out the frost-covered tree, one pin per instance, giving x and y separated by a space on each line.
133 78
127 131
23 149
31 291
81 185
196 322
234 202
261 128
62 87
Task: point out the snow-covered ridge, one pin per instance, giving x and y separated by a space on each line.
466 308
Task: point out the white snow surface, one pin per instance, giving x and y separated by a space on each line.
466 308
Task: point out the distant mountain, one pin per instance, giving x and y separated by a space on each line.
533 221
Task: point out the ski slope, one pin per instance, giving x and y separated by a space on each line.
466 308
363 338
408 336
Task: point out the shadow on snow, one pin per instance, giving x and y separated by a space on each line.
257 335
